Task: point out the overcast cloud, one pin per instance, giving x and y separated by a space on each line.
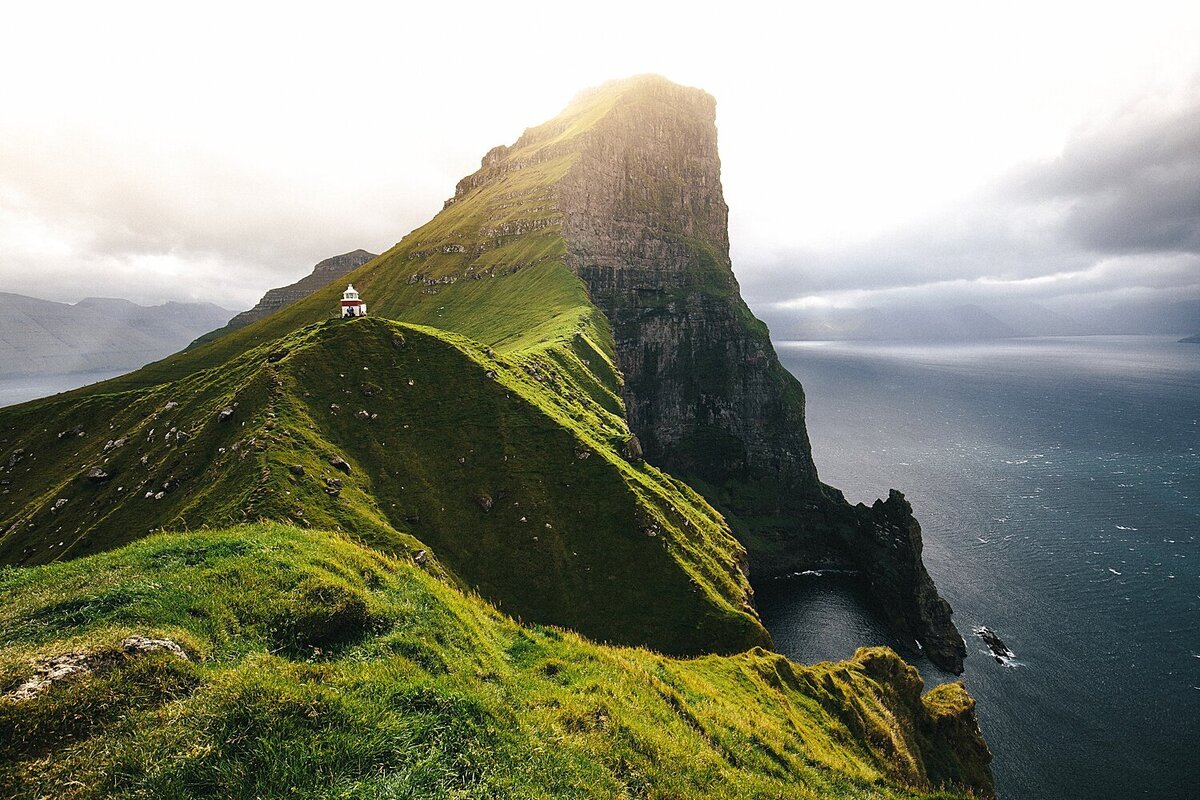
1116 214
872 153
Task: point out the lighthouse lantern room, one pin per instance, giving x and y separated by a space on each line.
352 306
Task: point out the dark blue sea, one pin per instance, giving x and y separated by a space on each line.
1057 481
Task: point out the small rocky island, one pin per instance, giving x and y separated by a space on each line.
999 650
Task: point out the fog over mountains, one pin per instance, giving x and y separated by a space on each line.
42 337
932 321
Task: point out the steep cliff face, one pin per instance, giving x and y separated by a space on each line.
328 270
646 228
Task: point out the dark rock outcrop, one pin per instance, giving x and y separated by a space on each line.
328 270
645 223
999 650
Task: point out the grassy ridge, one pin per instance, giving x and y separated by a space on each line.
320 668
488 267
510 472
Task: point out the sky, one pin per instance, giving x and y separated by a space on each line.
872 153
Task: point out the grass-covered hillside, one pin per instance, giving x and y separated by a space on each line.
316 557
493 435
511 473
312 666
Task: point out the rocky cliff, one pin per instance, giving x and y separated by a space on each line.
328 270
645 226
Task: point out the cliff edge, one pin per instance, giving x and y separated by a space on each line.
645 224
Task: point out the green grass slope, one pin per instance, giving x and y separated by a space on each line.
508 471
319 668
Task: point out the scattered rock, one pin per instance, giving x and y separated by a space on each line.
363 414
334 408
16 457
171 406
139 645
225 414
296 469
421 557
182 436
54 670
113 444
59 503
398 341
582 454
339 463
333 486
76 431
277 356
485 502
633 449
97 475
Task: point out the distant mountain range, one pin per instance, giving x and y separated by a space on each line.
42 337
934 322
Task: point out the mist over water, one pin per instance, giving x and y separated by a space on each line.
16 389
1057 483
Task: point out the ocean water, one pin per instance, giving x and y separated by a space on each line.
16 389
1057 482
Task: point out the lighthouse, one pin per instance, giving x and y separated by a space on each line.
352 306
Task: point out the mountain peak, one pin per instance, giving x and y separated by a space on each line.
634 87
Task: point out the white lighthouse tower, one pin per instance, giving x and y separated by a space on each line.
352 306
